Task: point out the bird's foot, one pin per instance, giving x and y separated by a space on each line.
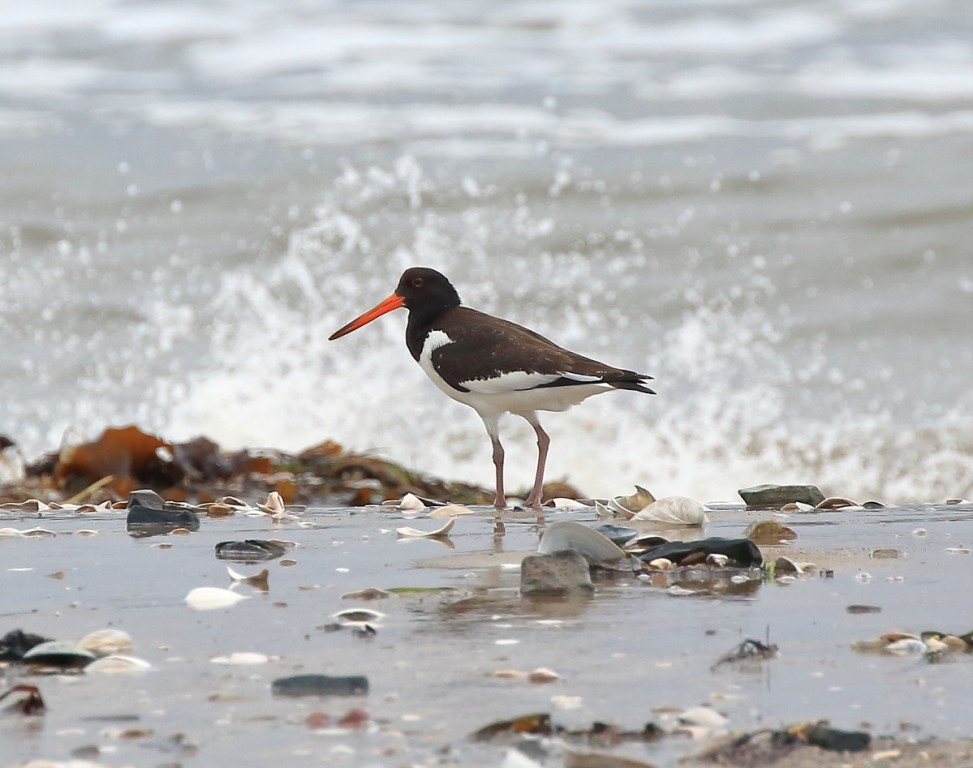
533 502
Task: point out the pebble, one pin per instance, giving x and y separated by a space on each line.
560 573
777 495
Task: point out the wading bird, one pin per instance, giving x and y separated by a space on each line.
492 365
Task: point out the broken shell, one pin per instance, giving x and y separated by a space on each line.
450 510
258 580
716 559
661 563
836 502
564 504
786 565
797 506
117 664
543 675
408 503
37 533
443 530
674 510
30 505
355 616
275 507
605 512
106 642
627 506
208 598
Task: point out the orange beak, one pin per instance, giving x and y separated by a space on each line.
392 302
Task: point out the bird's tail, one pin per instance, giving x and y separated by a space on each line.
632 381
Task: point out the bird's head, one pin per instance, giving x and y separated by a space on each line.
419 288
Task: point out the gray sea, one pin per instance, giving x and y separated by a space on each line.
766 205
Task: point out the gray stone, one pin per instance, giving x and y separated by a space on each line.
778 495
560 573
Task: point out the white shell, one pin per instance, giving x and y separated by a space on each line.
566 504
674 510
275 507
408 503
703 716
602 511
117 664
443 530
626 506
568 534
450 510
208 598
241 658
106 642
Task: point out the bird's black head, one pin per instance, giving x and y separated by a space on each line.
423 291
426 290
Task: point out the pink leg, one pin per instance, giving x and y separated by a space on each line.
501 501
543 443
493 429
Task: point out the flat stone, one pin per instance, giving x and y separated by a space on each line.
558 573
320 685
777 495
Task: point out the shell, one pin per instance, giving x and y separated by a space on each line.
560 503
117 664
241 658
208 598
106 642
408 503
443 530
450 510
836 502
59 653
674 510
355 616
605 512
626 506
568 534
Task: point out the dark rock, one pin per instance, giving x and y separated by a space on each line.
778 495
616 534
559 573
249 550
320 685
149 515
836 740
16 643
742 553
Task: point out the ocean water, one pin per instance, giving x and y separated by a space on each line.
766 206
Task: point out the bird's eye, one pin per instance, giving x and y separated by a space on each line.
417 282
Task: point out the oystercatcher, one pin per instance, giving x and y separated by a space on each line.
492 365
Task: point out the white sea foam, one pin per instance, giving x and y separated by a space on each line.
724 417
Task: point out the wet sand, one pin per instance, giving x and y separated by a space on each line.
632 654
